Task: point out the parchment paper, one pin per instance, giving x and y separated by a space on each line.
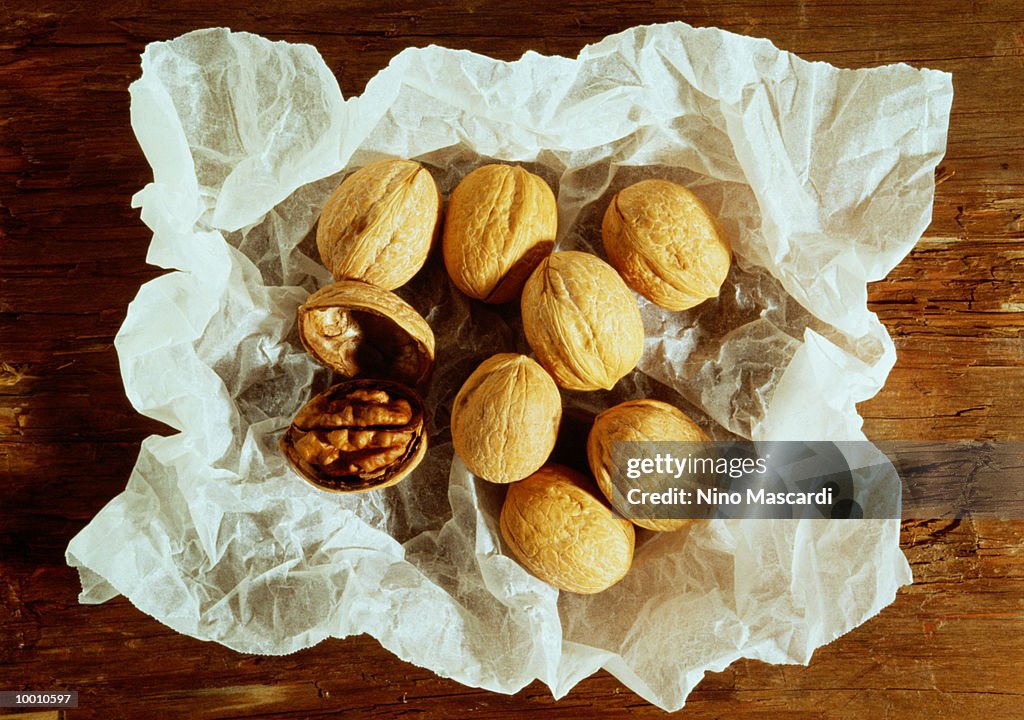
823 179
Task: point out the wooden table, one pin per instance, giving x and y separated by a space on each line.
952 645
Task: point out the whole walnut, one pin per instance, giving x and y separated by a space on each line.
500 222
505 418
637 421
557 528
666 244
581 321
380 223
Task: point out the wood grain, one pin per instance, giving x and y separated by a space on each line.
73 256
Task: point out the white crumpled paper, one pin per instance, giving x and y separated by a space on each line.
823 179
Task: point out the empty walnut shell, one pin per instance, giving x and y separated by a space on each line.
505 418
361 330
666 244
500 222
581 320
380 223
557 528
357 435
637 421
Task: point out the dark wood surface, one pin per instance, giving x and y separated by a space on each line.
72 257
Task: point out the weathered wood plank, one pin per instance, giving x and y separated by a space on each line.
950 646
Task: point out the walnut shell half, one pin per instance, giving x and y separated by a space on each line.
380 223
638 421
357 435
557 528
581 320
500 222
505 418
361 330
666 244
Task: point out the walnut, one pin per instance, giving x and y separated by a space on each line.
558 529
380 223
500 222
582 321
637 421
505 418
666 244
357 435
357 329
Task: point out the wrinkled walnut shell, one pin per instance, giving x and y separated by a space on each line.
557 528
357 435
380 223
666 244
581 321
638 421
505 418
361 330
500 222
